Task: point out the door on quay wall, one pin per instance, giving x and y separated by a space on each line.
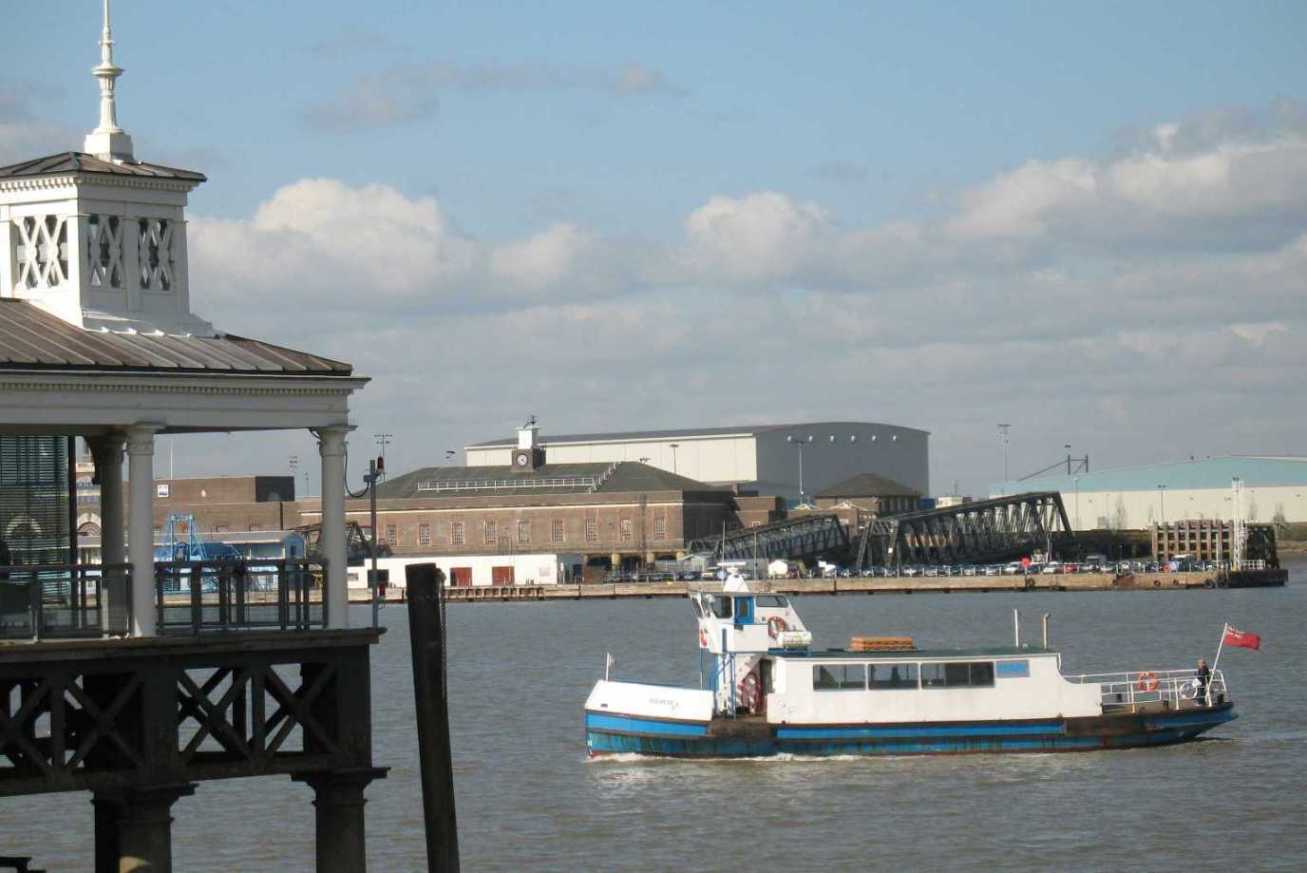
501 576
460 576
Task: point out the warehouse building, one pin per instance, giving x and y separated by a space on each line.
793 461
1272 489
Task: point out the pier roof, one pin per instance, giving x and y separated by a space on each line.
80 162
33 339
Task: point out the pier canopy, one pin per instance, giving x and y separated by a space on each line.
98 340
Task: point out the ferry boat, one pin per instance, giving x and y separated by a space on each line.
769 692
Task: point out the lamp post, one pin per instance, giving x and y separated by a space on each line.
1067 446
673 447
1161 501
799 444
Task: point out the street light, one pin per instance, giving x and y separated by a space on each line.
673 447
383 440
1161 499
799 444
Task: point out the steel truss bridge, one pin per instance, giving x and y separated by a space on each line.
806 537
998 529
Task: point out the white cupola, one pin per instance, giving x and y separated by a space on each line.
97 237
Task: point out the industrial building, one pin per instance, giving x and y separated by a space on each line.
1271 489
793 461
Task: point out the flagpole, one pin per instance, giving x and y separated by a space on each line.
1224 627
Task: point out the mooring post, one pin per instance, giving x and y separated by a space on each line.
426 629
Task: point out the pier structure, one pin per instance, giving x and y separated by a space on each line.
106 685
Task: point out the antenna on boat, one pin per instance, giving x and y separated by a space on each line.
1016 628
1044 621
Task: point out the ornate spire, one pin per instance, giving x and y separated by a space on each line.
108 141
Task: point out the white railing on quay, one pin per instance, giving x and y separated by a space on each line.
1152 686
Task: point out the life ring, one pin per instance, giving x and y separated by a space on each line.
703 638
1147 681
776 626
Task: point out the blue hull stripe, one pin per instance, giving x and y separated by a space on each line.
882 732
633 724
607 734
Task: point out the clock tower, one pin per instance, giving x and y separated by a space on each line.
528 456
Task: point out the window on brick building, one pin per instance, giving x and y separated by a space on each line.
424 534
490 530
558 531
457 533
660 527
628 530
392 534
524 533
591 530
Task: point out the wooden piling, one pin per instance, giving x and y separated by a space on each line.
426 586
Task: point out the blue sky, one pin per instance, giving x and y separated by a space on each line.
677 214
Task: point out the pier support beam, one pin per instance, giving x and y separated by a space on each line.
140 527
133 828
335 595
338 803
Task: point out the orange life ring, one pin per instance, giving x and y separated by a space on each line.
1147 681
703 638
776 626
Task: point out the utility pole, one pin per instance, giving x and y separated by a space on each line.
1068 458
1002 432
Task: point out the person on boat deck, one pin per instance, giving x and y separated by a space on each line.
1202 676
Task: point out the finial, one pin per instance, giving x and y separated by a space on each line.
108 141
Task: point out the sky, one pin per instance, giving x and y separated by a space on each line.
1086 221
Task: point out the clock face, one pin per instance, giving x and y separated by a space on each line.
522 459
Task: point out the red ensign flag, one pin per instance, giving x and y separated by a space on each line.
1242 639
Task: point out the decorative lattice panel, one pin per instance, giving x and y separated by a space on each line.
42 251
104 250
155 237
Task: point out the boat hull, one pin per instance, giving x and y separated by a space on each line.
750 738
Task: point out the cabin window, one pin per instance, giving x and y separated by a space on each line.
721 606
1014 669
775 601
961 674
892 675
839 677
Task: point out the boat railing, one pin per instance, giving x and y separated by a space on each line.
1133 688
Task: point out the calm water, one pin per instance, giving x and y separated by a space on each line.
528 799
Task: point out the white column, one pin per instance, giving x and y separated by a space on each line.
108 453
140 526
335 596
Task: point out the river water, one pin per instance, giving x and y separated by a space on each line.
529 800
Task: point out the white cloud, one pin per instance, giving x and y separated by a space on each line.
1127 304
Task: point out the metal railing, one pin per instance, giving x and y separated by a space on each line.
1171 687
200 596
589 482
45 601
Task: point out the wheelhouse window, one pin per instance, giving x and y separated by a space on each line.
892 676
959 674
720 606
775 601
839 677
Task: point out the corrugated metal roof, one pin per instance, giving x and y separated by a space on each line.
79 162
33 339
1184 475
741 430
